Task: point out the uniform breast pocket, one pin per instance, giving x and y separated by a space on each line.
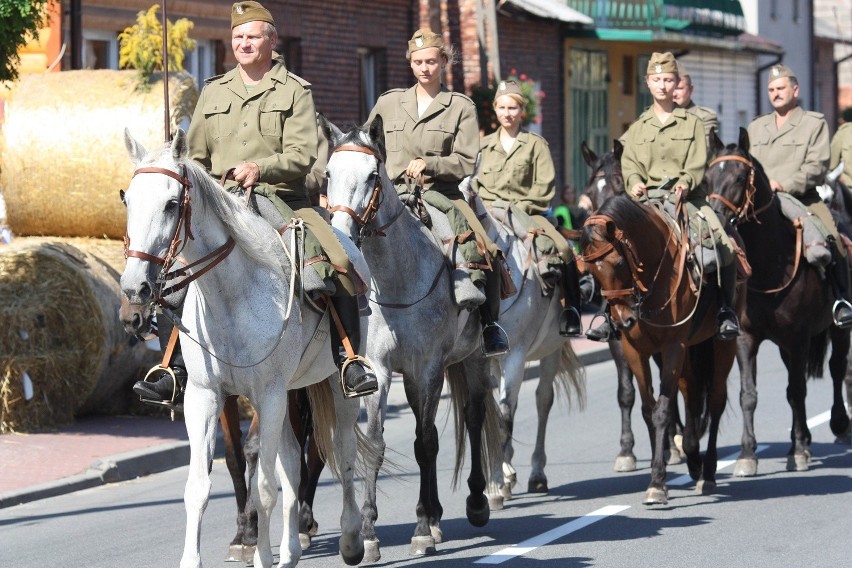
394 133
794 150
439 139
489 175
522 173
216 121
272 116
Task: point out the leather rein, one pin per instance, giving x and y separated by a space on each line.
183 232
747 212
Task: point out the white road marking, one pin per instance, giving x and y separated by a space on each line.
819 419
720 465
545 538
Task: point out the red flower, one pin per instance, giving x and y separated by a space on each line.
523 77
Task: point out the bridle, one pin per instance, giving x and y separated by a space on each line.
376 199
747 211
183 233
622 245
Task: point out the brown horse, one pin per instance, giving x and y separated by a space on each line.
634 252
789 301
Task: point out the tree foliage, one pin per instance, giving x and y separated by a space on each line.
20 21
141 45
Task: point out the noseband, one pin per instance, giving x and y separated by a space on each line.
746 211
183 232
622 245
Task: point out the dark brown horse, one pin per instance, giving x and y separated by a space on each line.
789 301
633 252
604 182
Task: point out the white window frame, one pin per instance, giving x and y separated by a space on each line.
112 51
201 61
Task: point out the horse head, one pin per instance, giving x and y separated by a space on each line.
736 180
357 179
606 180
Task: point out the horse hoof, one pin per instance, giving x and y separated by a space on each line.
305 540
678 442
495 502
248 554
537 485
477 514
624 464
798 462
745 467
674 457
510 475
353 557
705 487
437 534
654 496
314 528
422 545
372 551
506 491
235 553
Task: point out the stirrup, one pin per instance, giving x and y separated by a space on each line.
170 404
731 331
503 336
838 304
611 332
347 392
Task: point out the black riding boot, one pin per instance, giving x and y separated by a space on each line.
494 338
569 320
729 326
605 331
838 273
163 387
356 375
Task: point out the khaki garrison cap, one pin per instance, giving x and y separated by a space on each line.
249 11
681 70
510 88
779 71
661 63
423 38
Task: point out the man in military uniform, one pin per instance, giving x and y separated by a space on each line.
683 98
841 151
792 145
259 120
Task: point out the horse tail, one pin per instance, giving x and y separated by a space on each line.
491 446
816 354
322 410
570 376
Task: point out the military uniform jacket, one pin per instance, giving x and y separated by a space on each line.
841 151
275 127
707 116
524 176
655 153
446 137
794 155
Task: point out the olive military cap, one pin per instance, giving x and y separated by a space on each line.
779 71
661 63
508 88
249 11
681 70
423 38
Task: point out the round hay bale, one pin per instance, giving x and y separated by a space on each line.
63 351
65 160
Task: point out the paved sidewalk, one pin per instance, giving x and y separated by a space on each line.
105 449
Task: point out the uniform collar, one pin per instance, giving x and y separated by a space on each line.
792 121
441 101
277 74
649 115
495 144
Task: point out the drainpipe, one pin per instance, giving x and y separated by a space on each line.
76 34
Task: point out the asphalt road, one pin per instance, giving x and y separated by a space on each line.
591 517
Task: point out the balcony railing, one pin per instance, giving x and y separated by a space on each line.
718 17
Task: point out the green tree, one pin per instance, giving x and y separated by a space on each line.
19 22
141 45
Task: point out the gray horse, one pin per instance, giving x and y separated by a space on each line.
531 320
416 329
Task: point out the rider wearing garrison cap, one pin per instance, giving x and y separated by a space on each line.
259 120
683 99
434 133
792 145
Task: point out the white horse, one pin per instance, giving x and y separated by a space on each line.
240 334
531 320
415 329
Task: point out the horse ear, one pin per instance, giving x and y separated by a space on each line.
121 194
329 130
134 148
377 134
588 156
180 146
617 149
716 145
744 143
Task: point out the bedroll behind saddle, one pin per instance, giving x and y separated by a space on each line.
815 234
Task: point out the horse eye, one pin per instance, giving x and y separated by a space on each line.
171 205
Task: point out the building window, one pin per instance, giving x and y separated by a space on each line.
291 49
797 13
201 62
773 9
372 72
100 50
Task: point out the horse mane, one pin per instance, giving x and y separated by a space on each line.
360 137
249 230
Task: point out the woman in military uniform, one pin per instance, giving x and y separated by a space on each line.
516 167
667 144
433 132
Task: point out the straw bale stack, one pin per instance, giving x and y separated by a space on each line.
65 160
59 303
